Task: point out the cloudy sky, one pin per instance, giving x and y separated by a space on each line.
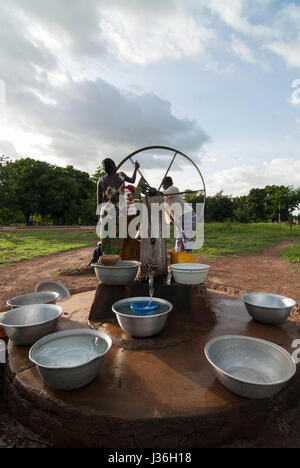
81 80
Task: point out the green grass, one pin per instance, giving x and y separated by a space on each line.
221 239
292 254
19 245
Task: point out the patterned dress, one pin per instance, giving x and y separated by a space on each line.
111 196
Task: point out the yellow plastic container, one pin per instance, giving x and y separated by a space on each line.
182 257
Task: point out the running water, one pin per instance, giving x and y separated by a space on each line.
151 287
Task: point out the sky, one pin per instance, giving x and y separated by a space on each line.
82 80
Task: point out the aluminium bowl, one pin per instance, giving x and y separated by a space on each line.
140 324
120 274
250 367
53 286
189 273
33 298
26 325
271 309
70 359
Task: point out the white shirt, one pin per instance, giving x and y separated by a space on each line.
180 207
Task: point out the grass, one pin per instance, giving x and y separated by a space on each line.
20 245
221 239
292 254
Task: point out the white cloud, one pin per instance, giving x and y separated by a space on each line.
243 51
239 180
80 120
146 37
235 13
92 119
295 96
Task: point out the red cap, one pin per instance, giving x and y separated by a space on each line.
130 187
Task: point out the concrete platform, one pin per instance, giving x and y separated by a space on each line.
164 396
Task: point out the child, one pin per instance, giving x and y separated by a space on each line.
96 254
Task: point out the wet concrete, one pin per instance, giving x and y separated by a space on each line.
163 396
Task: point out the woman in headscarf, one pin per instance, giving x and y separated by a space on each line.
110 190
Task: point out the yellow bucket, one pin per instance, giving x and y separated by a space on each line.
182 257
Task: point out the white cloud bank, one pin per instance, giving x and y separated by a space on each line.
240 179
52 55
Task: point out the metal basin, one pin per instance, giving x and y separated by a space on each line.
266 308
70 359
189 273
33 298
250 367
120 274
25 325
53 286
135 323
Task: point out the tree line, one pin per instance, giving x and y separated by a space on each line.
272 203
67 196
51 194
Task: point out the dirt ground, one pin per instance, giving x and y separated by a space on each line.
265 271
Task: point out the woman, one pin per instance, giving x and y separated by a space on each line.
109 189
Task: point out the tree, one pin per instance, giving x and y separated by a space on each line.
256 205
36 187
219 207
241 209
281 201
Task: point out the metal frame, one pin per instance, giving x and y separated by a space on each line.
147 148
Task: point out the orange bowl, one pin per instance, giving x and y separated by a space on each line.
107 260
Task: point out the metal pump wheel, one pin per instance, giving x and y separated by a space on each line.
176 153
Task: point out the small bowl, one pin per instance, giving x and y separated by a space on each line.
120 274
107 260
271 309
140 324
70 359
189 273
25 325
250 367
53 286
33 298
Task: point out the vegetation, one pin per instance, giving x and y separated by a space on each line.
228 238
221 239
67 196
272 203
19 245
52 194
292 254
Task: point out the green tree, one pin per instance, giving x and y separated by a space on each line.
281 201
256 205
219 207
